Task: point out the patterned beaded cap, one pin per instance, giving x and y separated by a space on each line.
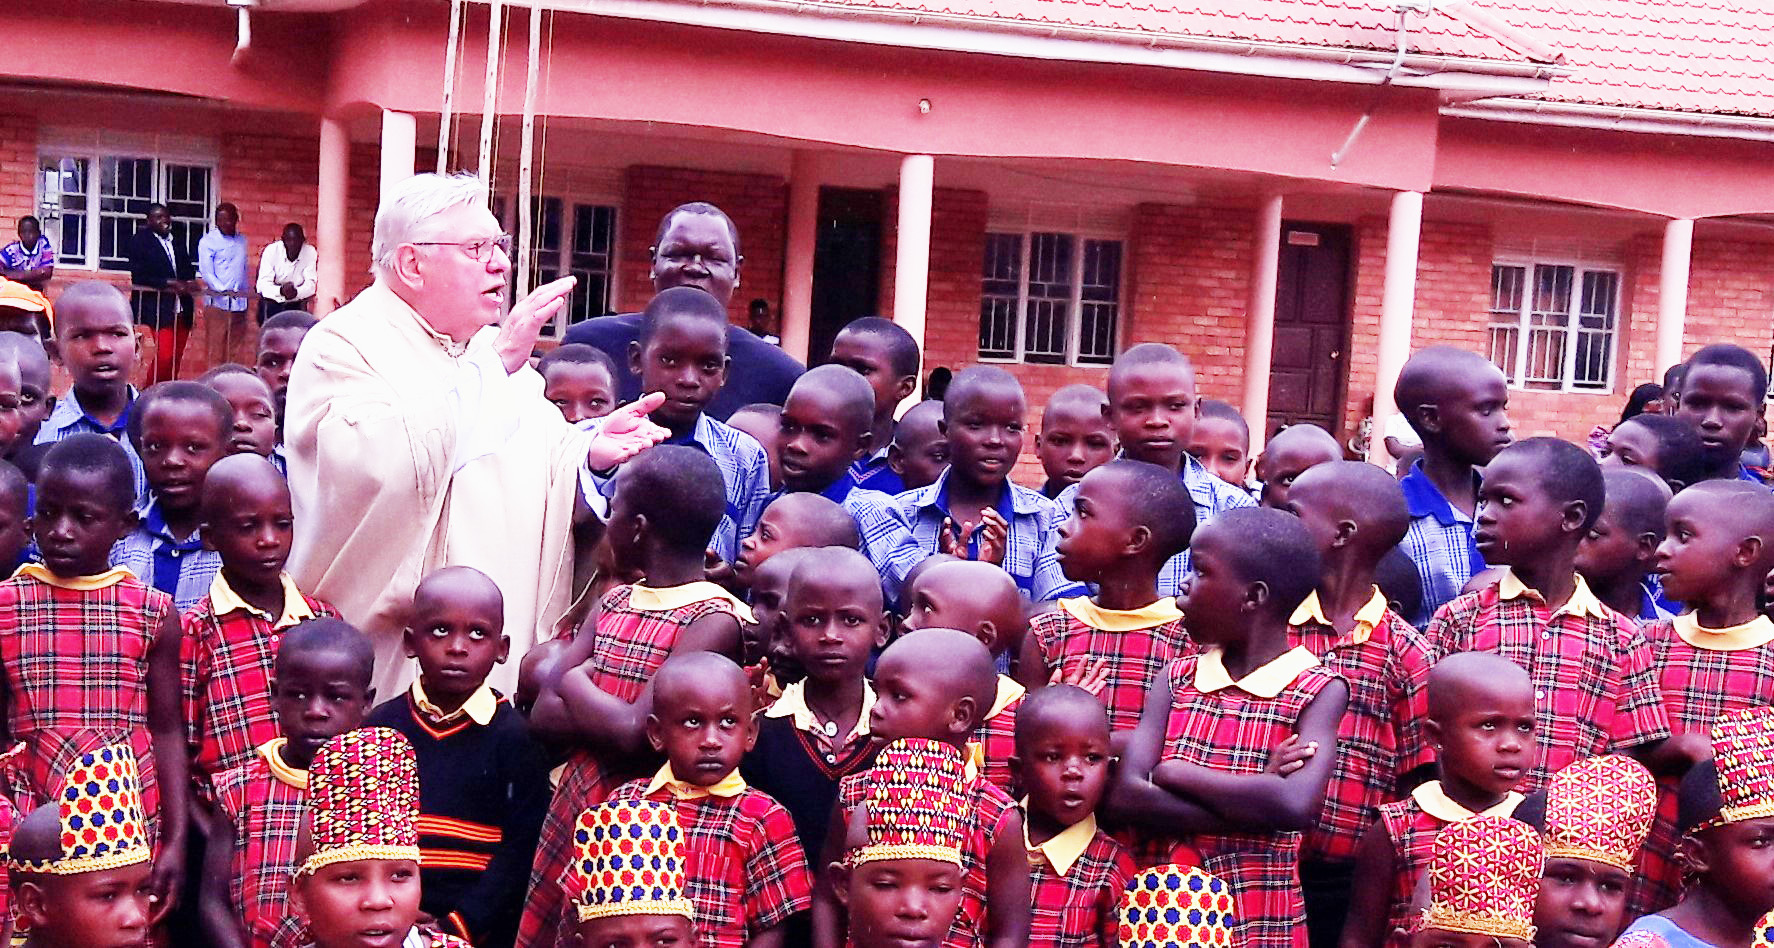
1484 875
100 810
1743 752
916 804
1600 809
363 799
1178 907
628 860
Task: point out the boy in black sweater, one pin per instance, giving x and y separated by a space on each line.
483 783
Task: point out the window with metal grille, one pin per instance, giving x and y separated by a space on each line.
1553 325
91 204
569 238
1050 298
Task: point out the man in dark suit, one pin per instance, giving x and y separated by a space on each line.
158 261
697 245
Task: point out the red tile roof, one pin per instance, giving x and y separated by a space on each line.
1683 55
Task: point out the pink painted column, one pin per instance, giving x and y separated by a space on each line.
797 267
1259 320
911 279
1403 232
335 178
399 147
1672 296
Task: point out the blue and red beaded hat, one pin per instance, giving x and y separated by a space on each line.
363 799
1178 907
917 803
100 810
629 860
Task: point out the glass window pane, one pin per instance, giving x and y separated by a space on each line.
62 206
126 189
1001 281
1099 297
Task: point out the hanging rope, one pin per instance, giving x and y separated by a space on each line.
449 87
526 152
490 87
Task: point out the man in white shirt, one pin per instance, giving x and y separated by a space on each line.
221 265
286 274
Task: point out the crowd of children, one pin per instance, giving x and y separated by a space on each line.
836 679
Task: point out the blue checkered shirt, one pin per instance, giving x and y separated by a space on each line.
1439 541
182 569
69 418
1031 520
744 468
873 473
1211 497
886 534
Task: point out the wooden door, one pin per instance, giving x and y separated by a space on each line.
1311 327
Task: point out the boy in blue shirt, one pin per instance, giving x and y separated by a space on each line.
886 356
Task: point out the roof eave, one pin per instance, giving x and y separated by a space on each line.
817 19
1616 118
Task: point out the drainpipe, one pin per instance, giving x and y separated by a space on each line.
243 42
1408 6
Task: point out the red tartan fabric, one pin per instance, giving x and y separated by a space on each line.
76 666
266 813
1381 735
1413 835
1234 731
997 742
227 670
9 818
631 645
1595 691
1081 908
743 865
1134 658
1697 686
992 807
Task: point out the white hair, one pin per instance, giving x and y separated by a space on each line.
406 213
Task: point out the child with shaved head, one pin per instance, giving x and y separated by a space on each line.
232 633
1718 656
936 685
1481 724
1289 454
1075 436
483 781
919 452
1618 557
744 869
1356 515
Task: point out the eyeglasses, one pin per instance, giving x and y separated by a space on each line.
480 249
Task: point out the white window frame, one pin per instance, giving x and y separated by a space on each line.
94 156
1523 326
1075 320
505 210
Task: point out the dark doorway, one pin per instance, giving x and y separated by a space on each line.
846 264
1311 327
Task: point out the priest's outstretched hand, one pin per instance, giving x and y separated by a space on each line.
626 432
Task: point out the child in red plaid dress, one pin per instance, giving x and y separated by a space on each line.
1719 656
1128 519
232 634
932 686
594 693
744 869
982 600
1356 514
91 654
1481 726
322 690
1078 872
1595 690
1195 771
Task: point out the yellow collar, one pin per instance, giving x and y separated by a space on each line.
1063 850
793 704
1009 691
673 597
1265 682
1122 620
729 786
479 707
1582 601
223 600
1755 633
272 751
104 580
1367 618
1438 804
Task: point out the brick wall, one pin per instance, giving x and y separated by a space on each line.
1187 282
18 165
758 205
